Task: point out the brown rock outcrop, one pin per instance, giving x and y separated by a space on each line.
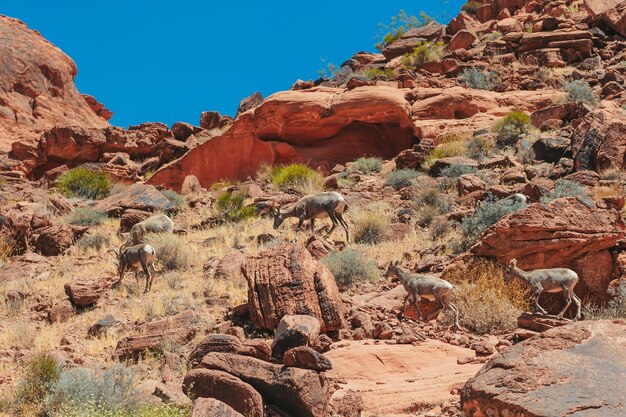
210 407
37 85
575 370
567 232
137 197
85 292
54 240
287 280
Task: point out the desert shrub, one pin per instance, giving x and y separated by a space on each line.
42 373
580 91
401 178
172 251
489 212
610 175
384 73
216 186
525 151
492 36
448 149
7 249
615 308
439 227
479 147
429 204
81 182
232 208
486 304
565 188
399 24
611 190
175 198
511 126
449 175
113 389
423 53
161 410
370 226
86 217
471 7
297 176
478 79
351 267
95 241
366 165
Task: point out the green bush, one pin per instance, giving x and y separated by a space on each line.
511 126
296 176
161 410
401 178
479 147
489 212
431 203
366 165
566 188
398 26
175 198
471 7
42 372
172 251
232 208
95 241
384 73
86 217
456 170
351 267
81 182
478 79
580 91
423 53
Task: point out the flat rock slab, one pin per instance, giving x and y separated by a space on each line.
575 370
393 378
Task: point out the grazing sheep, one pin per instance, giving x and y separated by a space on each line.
159 223
139 256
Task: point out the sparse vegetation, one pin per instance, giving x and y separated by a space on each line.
486 304
172 251
95 241
478 79
448 149
511 126
7 248
86 217
351 267
370 226
471 7
382 73
366 165
175 198
231 205
81 182
479 147
399 25
423 53
580 91
297 176
613 309
449 175
430 203
486 215
566 188
401 178
42 372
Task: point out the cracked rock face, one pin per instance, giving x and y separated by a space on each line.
576 370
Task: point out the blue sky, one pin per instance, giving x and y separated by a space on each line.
167 61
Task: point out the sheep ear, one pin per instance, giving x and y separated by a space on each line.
513 262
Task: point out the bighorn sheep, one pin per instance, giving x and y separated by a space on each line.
517 198
424 286
159 223
546 280
316 206
139 256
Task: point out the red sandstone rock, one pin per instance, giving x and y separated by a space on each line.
210 407
463 39
287 280
138 197
132 217
54 240
306 358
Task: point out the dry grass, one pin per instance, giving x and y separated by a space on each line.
486 303
371 224
612 190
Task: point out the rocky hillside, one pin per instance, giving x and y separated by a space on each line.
464 151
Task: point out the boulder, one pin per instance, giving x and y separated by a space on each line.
132 217
568 233
318 246
300 392
287 280
56 239
190 185
307 358
409 40
414 158
210 407
250 102
60 312
611 13
182 130
294 331
85 292
552 149
138 197
440 164
463 39
468 183
177 329
214 343
538 323
229 267
226 388
104 325
572 370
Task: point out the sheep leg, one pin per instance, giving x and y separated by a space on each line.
345 226
313 226
440 305
298 228
401 314
568 301
535 300
335 223
414 302
149 277
455 310
122 270
577 303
